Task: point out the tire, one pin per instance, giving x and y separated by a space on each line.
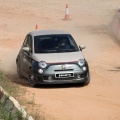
19 71
32 79
87 81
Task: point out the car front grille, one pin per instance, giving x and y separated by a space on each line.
67 78
64 70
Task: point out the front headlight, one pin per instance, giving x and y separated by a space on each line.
42 64
81 62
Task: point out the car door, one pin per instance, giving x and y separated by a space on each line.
26 57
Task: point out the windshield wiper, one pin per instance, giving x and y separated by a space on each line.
67 50
56 51
52 51
43 51
48 51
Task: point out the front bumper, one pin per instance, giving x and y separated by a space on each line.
51 79
53 74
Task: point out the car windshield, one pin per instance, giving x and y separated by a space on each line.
54 44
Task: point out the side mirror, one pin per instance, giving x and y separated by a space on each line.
26 49
82 47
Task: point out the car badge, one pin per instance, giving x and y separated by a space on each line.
63 67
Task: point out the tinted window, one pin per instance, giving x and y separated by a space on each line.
54 44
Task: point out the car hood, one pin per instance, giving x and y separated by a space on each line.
58 57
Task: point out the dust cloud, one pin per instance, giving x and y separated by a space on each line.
114 26
8 63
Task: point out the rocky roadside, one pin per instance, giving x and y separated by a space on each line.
11 107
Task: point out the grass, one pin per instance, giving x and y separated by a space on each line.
13 90
8 112
5 115
10 87
18 93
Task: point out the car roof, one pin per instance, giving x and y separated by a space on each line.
47 32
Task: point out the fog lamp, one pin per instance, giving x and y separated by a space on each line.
49 77
78 76
84 68
40 71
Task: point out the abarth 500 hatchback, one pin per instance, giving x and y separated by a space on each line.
52 57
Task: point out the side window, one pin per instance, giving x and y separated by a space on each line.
28 42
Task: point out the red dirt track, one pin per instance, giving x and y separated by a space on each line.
89 24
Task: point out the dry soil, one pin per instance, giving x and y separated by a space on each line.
89 25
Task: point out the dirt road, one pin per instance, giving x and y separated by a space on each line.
100 100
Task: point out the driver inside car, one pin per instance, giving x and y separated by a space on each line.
64 44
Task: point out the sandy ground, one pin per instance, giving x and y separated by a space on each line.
100 100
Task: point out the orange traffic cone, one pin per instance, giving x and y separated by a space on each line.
36 27
66 13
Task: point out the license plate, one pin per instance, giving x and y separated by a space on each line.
64 75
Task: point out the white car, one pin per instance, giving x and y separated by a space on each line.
52 57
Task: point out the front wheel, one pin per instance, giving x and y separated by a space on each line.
88 80
32 79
